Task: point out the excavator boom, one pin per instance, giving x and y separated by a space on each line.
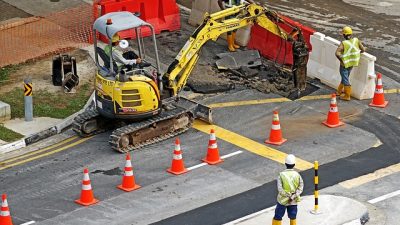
214 25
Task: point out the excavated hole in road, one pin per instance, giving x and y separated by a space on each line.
111 172
269 78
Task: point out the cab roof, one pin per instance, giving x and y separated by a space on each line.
120 21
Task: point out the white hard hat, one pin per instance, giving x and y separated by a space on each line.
290 159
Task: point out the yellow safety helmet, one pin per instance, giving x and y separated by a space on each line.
347 30
115 38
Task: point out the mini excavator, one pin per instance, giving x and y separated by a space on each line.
142 106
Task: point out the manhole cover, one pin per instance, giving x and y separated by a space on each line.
54 0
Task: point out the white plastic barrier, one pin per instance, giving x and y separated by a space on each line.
200 7
324 65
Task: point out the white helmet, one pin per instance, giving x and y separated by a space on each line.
290 159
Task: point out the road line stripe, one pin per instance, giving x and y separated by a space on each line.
250 145
231 154
249 216
248 102
197 166
314 97
46 154
222 157
391 91
28 223
279 100
355 182
39 150
384 197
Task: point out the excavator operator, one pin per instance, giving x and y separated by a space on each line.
128 59
231 35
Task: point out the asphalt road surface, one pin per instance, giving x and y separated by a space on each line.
42 186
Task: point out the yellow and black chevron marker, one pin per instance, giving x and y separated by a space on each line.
28 89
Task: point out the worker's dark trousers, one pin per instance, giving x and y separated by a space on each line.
130 55
280 211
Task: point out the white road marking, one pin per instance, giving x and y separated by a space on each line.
27 223
197 166
231 154
384 197
222 157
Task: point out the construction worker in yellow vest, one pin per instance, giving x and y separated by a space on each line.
290 186
348 53
231 35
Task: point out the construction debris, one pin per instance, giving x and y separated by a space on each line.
236 60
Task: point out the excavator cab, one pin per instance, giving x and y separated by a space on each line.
129 92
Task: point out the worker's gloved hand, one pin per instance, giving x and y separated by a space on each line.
293 197
144 64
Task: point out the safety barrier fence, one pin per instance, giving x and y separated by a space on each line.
324 66
34 37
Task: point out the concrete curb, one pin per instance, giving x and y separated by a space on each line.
45 133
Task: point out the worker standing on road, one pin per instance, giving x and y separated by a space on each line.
231 35
128 58
290 186
348 53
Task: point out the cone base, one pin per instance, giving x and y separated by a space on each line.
275 142
87 203
379 106
212 162
129 189
333 125
177 172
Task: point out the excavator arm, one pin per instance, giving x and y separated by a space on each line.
212 27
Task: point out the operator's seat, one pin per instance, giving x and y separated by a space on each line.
106 59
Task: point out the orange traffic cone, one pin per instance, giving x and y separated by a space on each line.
275 135
5 216
177 166
379 97
128 181
87 197
212 157
333 115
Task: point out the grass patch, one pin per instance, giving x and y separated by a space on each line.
9 135
6 71
47 104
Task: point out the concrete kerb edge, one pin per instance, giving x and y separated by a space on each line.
45 133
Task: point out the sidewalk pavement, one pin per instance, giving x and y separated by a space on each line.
334 210
38 129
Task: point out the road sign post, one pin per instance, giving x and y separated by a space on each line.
28 99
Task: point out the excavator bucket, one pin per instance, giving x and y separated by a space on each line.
199 110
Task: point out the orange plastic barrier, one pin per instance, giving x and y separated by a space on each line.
162 14
275 48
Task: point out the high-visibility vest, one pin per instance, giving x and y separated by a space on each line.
290 182
351 54
107 50
230 3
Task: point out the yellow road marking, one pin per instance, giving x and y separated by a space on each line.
371 177
249 102
279 100
314 97
391 91
46 154
40 150
250 145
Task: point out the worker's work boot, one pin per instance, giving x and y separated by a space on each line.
276 222
230 40
293 222
234 38
339 90
347 93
